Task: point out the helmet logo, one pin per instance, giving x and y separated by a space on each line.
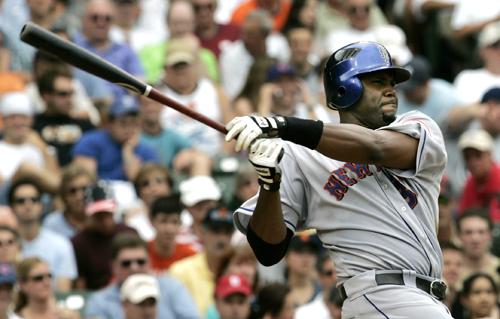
345 54
384 55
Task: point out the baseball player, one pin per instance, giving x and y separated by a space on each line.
368 185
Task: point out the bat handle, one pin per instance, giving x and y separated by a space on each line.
157 96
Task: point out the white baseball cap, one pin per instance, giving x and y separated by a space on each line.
197 189
139 287
477 139
489 35
16 103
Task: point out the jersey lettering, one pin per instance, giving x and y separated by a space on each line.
346 176
409 196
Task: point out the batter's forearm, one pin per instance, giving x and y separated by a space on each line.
267 220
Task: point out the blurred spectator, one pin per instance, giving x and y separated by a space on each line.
319 307
301 275
233 297
302 15
181 24
152 181
166 220
212 35
246 183
36 297
10 249
94 36
278 10
24 153
490 119
242 261
334 303
115 152
331 15
482 187
199 194
479 296
87 89
453 260
93 244
273 302
359 28
198 272
474 231
71 218
139 295
250 50
431 96
130 257
472 84
125 28
7 217
9 80
447 228
471 17
393 38
183 83
7 282
174 150
25 200
286 94
59 124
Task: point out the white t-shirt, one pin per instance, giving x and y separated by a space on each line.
471 12
14 155
472 84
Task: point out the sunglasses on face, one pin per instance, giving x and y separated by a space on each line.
62 93
41 277
100 17
358 9
200 7
7 243
154 180
126 263
24 200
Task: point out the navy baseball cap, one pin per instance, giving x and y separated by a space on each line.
280 70
492 94
7 274
124 105
305 241
420 70
219 217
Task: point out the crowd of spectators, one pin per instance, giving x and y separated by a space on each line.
114 206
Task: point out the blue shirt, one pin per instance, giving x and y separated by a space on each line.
56 250
99 145
57 223
167 144
175 302
119 54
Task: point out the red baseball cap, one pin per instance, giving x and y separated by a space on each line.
232 284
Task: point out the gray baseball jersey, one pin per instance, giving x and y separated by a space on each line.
369 217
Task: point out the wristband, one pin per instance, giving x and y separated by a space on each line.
303 132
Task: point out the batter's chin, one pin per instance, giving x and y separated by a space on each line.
388 118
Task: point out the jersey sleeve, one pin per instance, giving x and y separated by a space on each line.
431 153
292 194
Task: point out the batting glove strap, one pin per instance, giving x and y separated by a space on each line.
269 177
270 126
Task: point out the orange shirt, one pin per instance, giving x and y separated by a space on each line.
160 263
241 12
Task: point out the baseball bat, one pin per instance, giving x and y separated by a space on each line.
69 52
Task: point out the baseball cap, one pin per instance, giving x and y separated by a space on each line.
232 284
420 73
492 94
16 103
139 287
99 198
7 274
489 35
305 241
180 51
124 105
476 139
218 217
280 70
197 189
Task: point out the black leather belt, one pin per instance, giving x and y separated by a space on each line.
436 287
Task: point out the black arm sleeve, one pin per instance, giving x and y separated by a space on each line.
268 254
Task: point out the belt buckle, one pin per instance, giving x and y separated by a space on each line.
438 289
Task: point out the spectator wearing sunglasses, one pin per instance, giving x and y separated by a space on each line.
25 201
130 257
10 246
36 297
59 125
93 244
71 218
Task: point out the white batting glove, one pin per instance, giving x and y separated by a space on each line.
246 129
265 155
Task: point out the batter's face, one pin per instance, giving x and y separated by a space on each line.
378 104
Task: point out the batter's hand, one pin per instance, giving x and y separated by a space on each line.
265 155
246 129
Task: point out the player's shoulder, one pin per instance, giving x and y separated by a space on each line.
415 117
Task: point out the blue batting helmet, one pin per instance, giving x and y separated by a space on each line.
343 87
